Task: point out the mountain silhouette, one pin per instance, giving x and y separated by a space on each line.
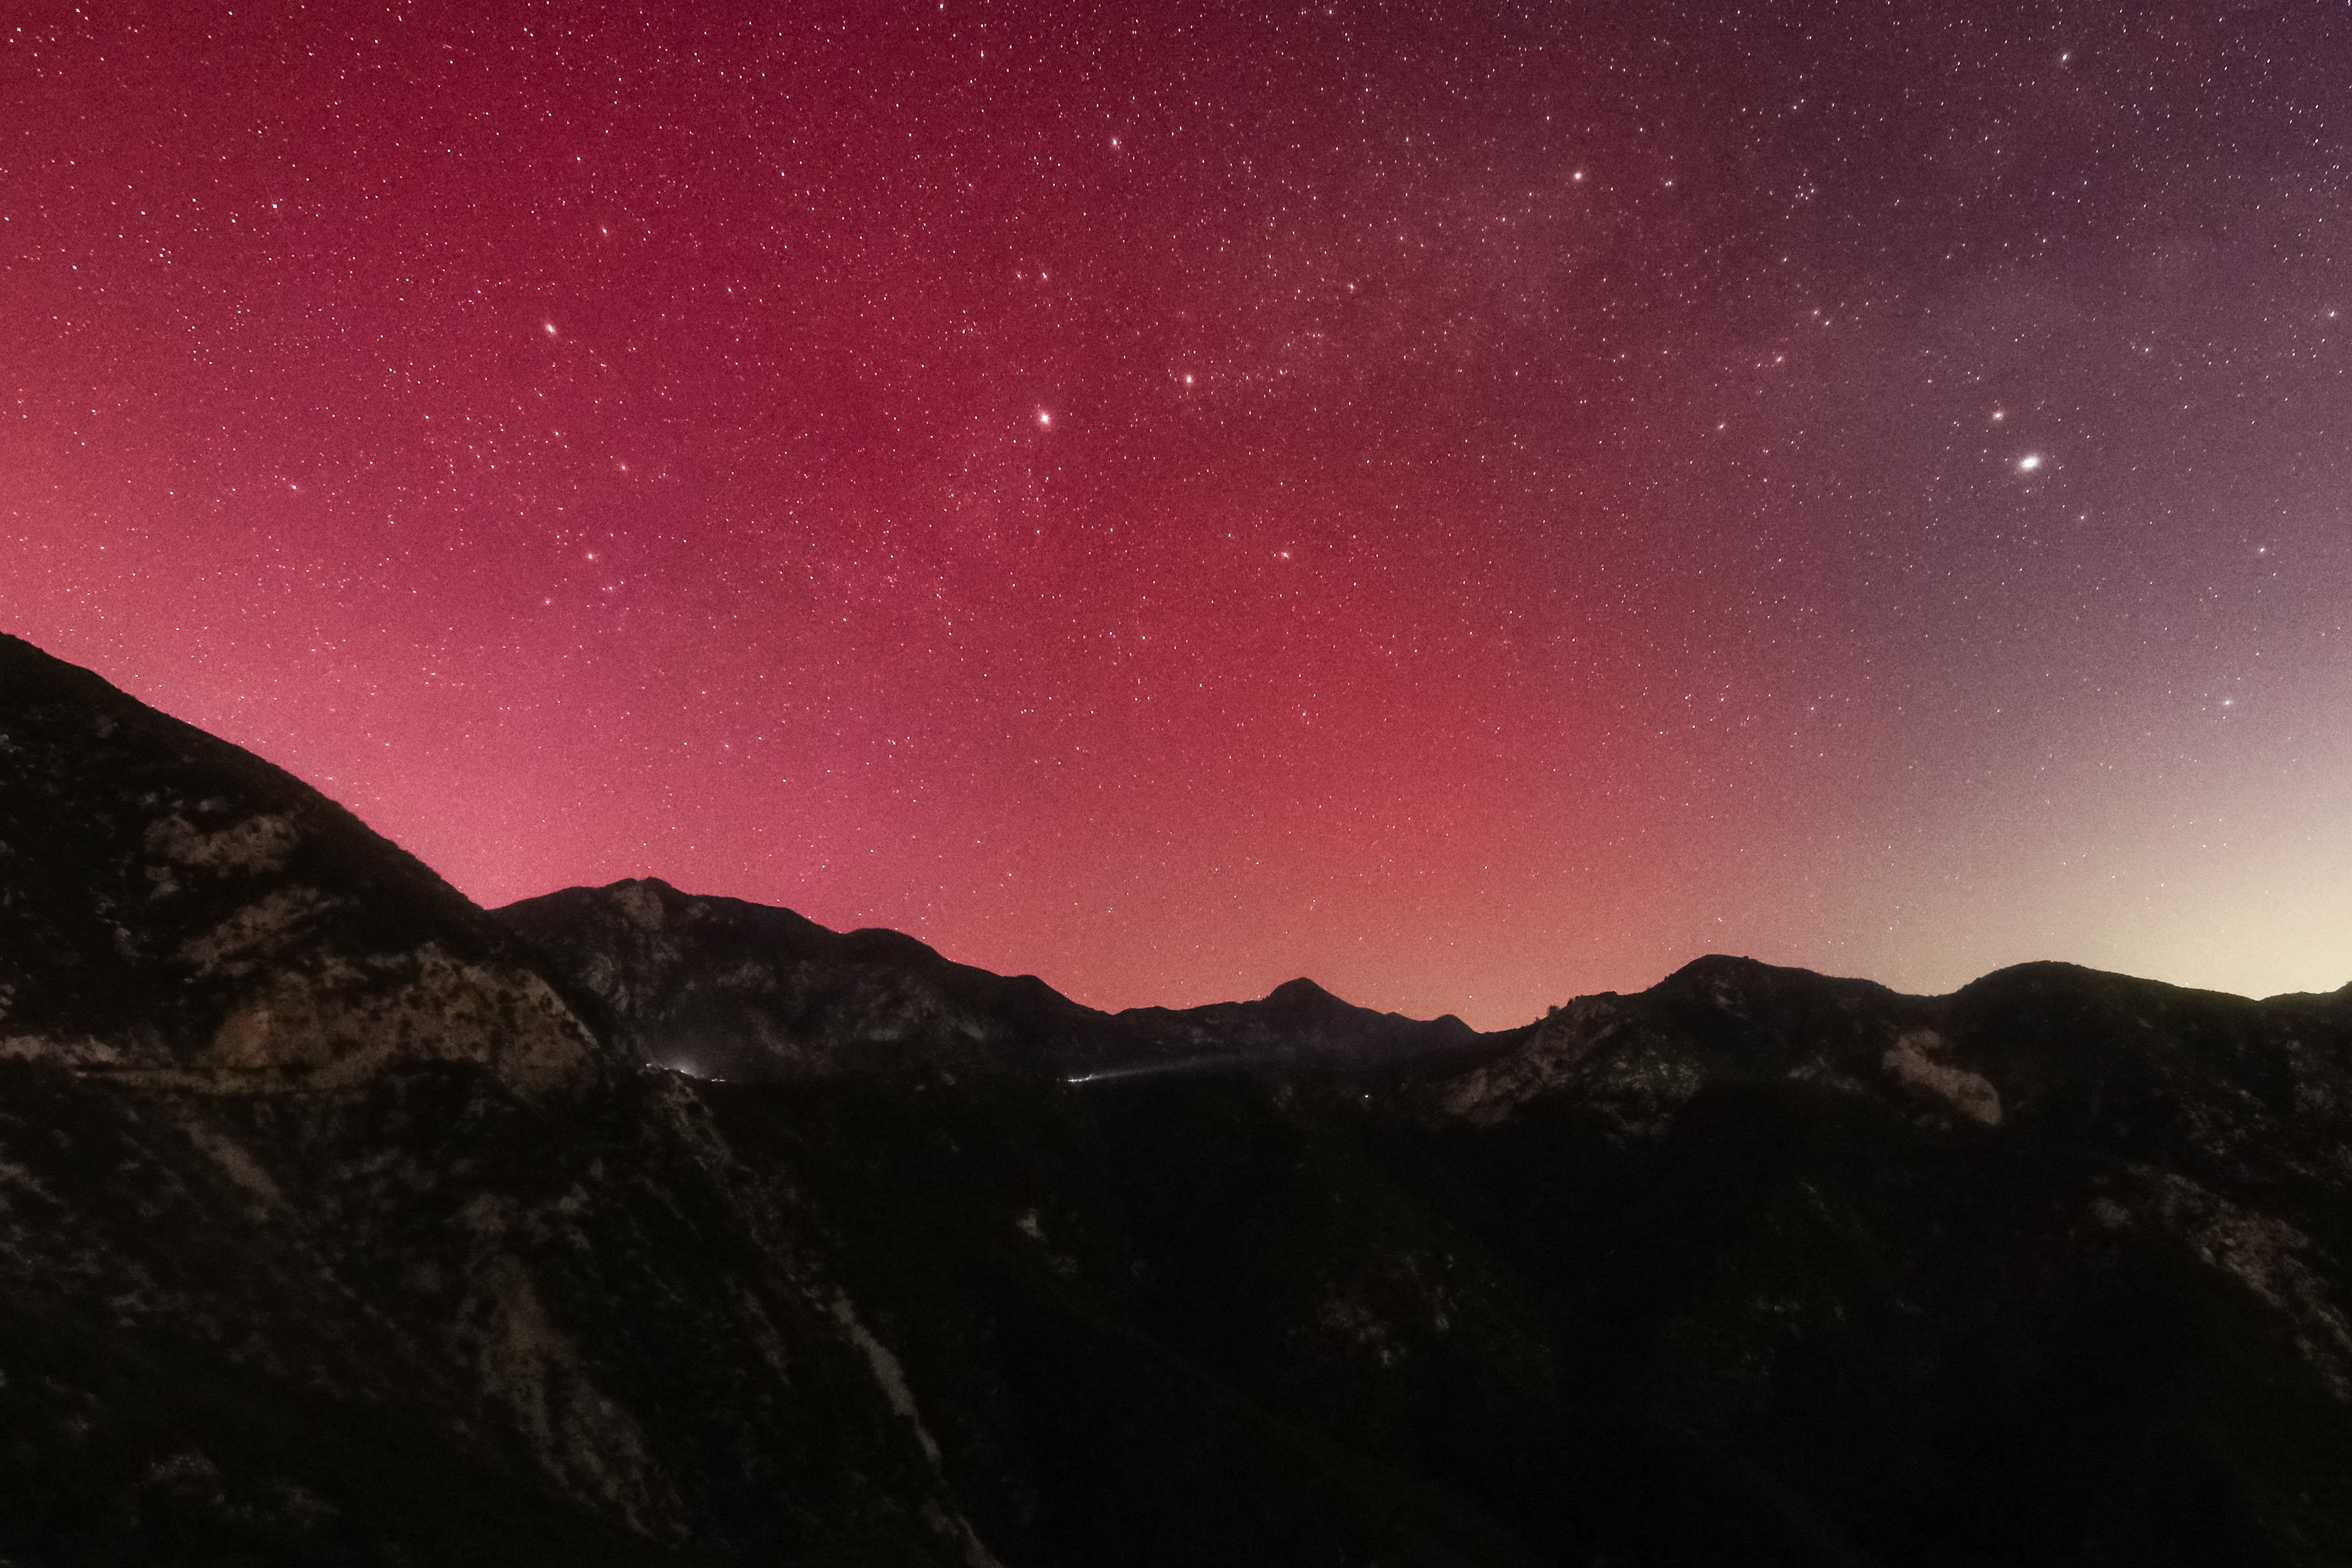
344 1222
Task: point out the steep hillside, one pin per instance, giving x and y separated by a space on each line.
334 1231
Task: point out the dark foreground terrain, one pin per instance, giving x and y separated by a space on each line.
342 1222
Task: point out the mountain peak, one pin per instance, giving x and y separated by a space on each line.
1304 992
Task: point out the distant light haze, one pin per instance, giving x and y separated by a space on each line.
1474 504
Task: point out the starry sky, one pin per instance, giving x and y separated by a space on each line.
1473 503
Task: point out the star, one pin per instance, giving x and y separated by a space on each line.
1476 430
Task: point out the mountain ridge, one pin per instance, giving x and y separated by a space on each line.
773 982
343 1222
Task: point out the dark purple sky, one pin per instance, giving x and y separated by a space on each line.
1473 503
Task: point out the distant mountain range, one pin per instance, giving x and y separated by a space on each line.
720 989
342 1222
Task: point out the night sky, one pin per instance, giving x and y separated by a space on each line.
1476 505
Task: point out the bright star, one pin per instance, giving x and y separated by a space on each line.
1044 418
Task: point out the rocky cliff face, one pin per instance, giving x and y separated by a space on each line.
340 1222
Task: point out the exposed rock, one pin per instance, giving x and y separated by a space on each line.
1915 1061
332 1030
264 843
